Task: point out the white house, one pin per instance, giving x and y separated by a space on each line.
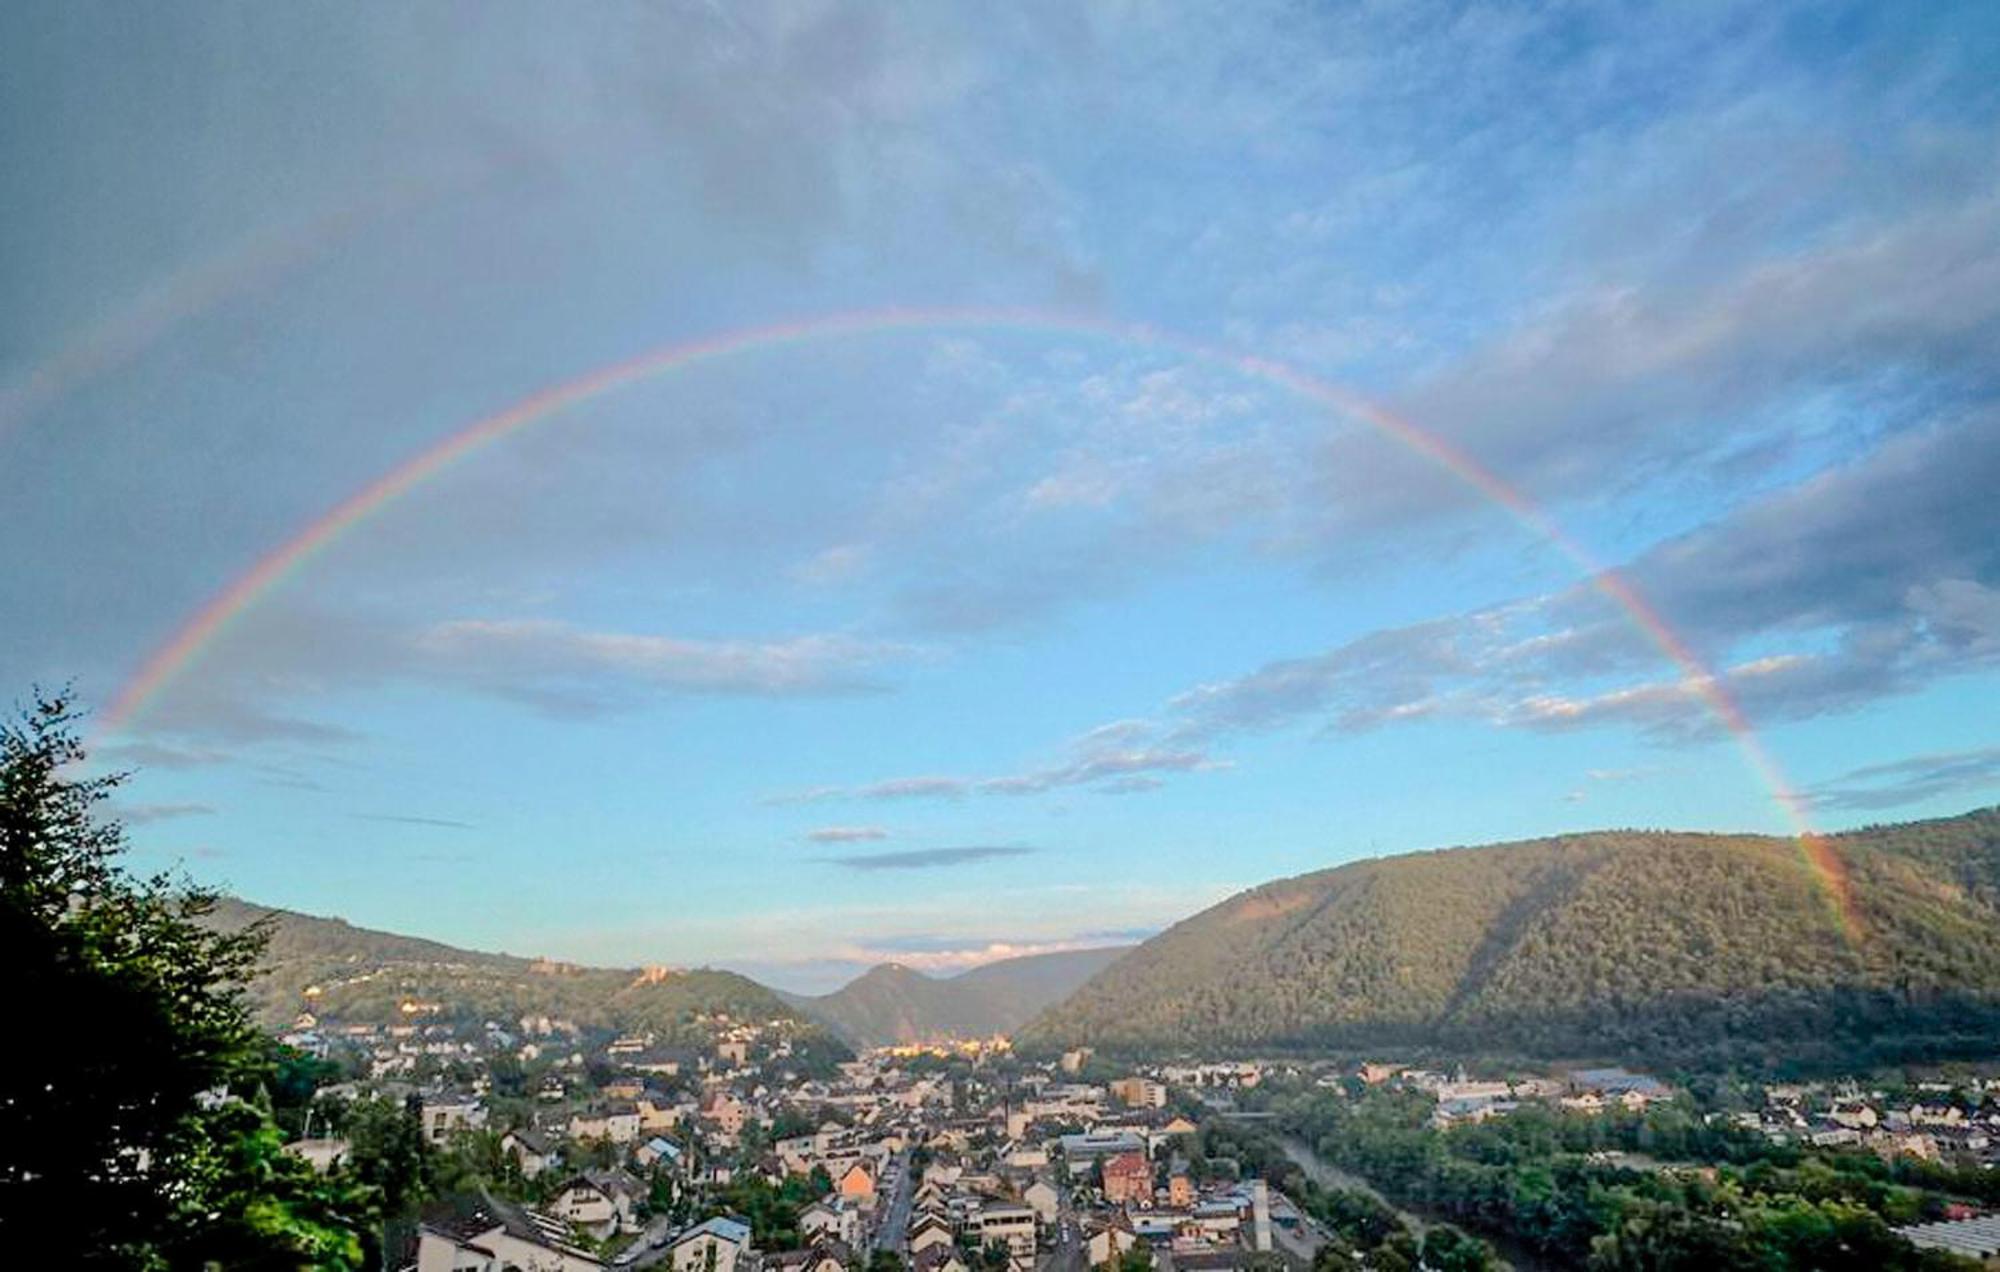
713 1245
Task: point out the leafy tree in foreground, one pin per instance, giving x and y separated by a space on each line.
115 1136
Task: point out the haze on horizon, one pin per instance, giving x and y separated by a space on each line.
934 641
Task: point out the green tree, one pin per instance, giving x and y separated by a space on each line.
116 1131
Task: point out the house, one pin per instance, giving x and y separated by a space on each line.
944 1258
725 1112
1043 1199
617 1123
857 1181
530 1150
494 1237
820 1256
1180 1190
601 1202
446 1115
928 1230
659 1150
733 1051
834 1218
1106 1243
713 1245
1127 1177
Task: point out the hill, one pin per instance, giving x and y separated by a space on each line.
364 976
1675 949
891 1003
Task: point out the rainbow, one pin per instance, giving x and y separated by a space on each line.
179 653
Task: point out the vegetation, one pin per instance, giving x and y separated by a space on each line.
893 1004
1672 950
1662 1190
141 1132
364 976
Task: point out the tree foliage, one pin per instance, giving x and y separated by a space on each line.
1672 950
117 1126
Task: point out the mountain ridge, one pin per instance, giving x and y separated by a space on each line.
892 1003
1660 946
341 971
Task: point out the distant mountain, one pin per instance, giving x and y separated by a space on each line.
1675 949
361 975
891 1003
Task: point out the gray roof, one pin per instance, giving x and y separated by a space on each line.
1979 1237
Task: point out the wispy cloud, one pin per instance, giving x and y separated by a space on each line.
494 652
1113 759
404 819
1910 781
146 814
929 858
846 834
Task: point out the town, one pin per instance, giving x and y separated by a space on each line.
580 1151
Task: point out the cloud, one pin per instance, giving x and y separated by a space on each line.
947 956
500 652
146 814
1910 781
1112 759
806 795
915 788
846 834
1870 579
159 755
928 858
407 820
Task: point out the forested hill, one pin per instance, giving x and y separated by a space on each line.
891 1003
366 976
1674 949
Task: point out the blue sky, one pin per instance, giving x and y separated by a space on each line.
941 643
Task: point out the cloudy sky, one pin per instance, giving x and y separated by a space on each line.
1049 623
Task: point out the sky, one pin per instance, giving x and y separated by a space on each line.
1129 451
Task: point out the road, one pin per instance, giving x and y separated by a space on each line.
644 1253
895 1226
1067 1253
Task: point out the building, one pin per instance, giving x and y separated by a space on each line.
530 1150
713 1245
1140 1093
856 1182
1977 1239
1127 1179
601 1202
1100 1144
446 1115
1012 1226
834 1218
494 1238
1042 1198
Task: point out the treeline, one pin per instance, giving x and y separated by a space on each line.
1659 1191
